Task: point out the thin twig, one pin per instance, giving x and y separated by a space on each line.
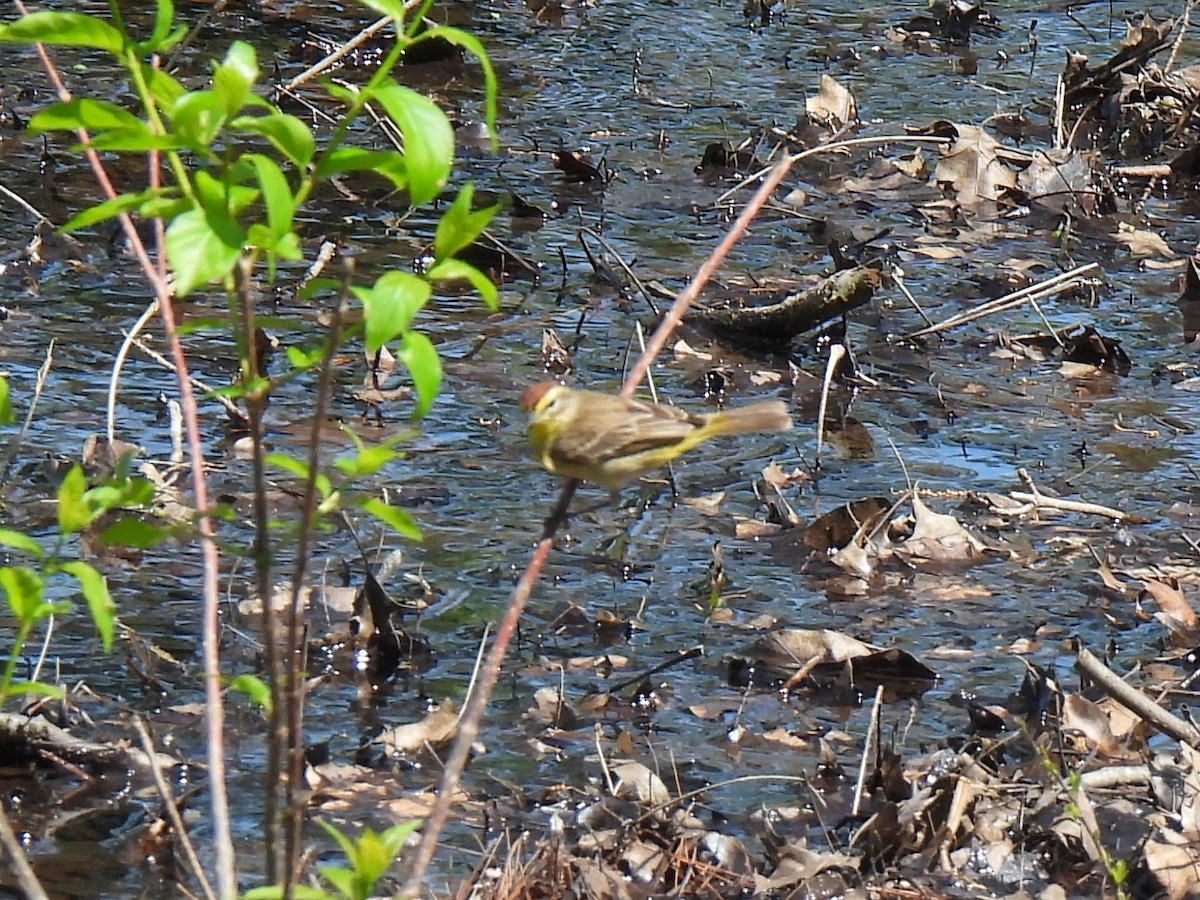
1183 27
1135 701
1015 298
172 811
39 385
868 748
119 363
23 203
235 413
837 351
20 862
294 804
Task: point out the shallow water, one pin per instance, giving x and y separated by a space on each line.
645 86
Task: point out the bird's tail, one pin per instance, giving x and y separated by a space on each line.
766 415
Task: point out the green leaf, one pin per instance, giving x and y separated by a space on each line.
130 140
390 304
257 690
275 892
6 410
23 590
99 601
458 226
94 115
472 45
296 467
400 521
393 838
235 77
73 512
109 209
457 270
63 30
17 688
428 139
388 163
165 89
197 117
421 359
131 532
198 253
162 38
343 841
347 882
288 134
367 461
276 194
18 540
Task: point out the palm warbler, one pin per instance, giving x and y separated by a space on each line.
610 440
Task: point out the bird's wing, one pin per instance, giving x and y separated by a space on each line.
645 427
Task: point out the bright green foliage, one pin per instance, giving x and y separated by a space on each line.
227 203
368 857
257 690
6 413
24 586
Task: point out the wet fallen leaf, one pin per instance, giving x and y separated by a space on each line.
975 167
435 730
833 106
938 538
1140 242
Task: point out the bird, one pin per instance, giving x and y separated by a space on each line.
609 441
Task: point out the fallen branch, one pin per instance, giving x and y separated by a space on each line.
1135 701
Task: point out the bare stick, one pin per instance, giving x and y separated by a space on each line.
119 363
1183 27
1015 298
1135 701
868 747
836 352
1041 501
23 203
20 863
164 792
39 385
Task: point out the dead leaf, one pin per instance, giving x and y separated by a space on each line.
1176 867
833 106
1140 242
1174 610
938 538
435 730
975 168
1084 716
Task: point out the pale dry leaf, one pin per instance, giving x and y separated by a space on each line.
1141 242
938 537
1084 716
1175 612
683 350
708 505
974 167
785 738
1176 867
435 730
833 105
632 779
